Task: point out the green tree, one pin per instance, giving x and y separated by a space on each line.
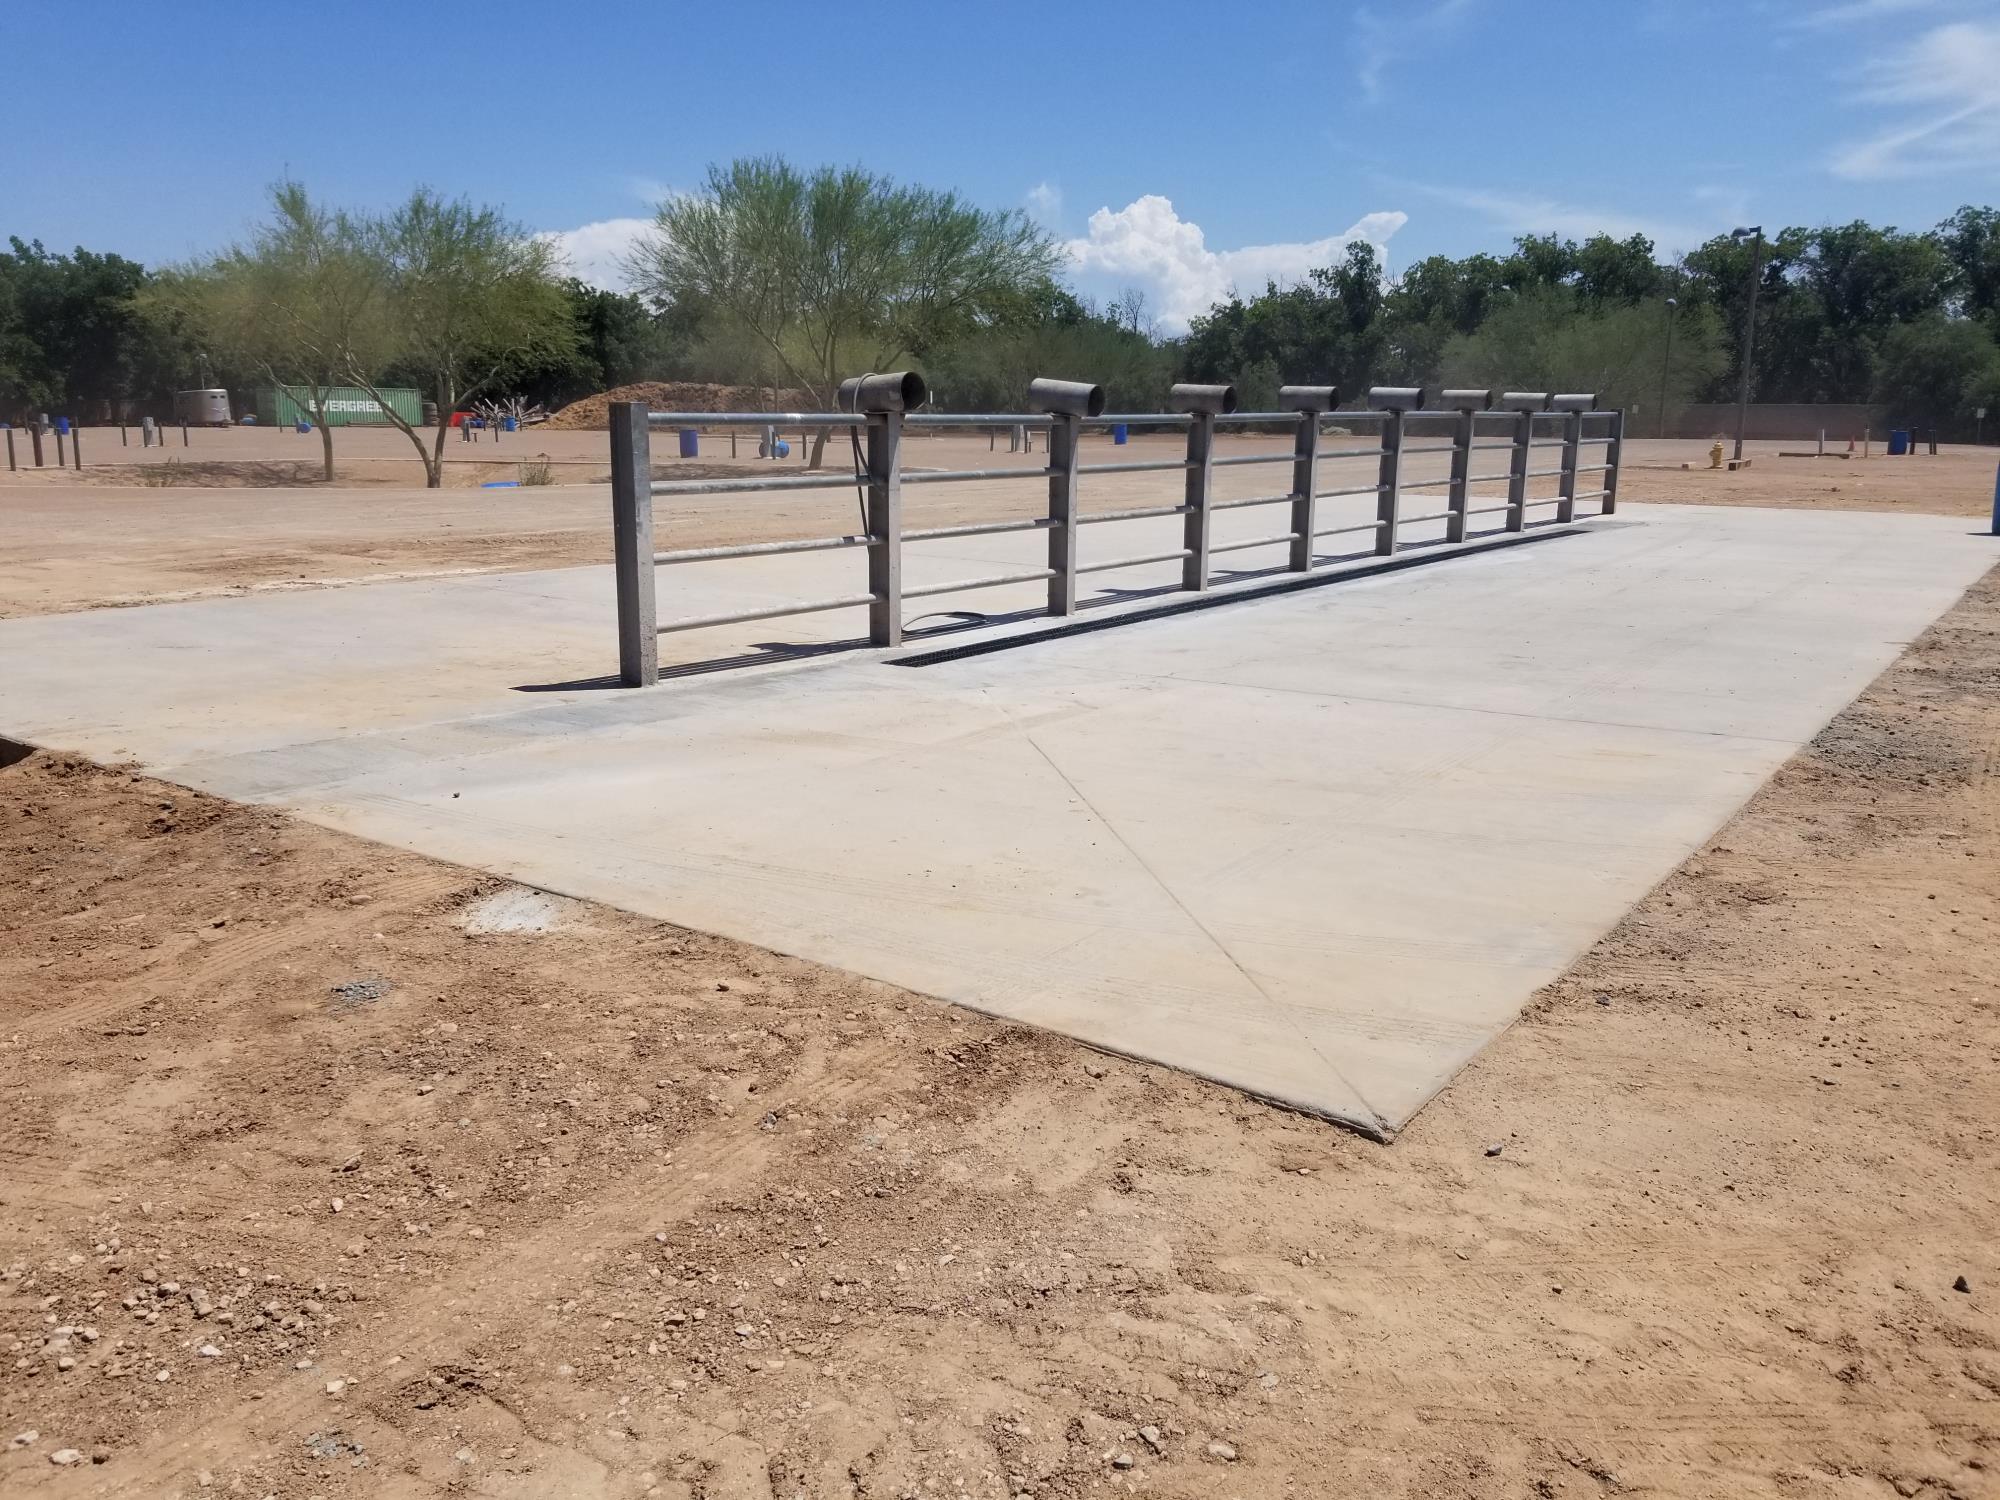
838 271
1971 238
1934 371
295 304
461 295
1330 329
1548 339
72 333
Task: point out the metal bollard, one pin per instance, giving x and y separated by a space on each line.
632 544
62 459
35 438
1524 405
10 450
123 440
1996 493
76 448
184 432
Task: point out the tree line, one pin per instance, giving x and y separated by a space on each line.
787 278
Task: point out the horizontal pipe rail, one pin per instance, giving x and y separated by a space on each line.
977 419
751 486
1352 453
765 549
1489 510
757 418
1345 530
938 476
1137 466
1366 489
743 616
1436 515
1142 513
1111 564
1253 458
1255 541
979 528
1139 419
961 585
1252 500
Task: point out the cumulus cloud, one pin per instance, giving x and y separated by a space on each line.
1148 243
1044 201
596 252
1944 87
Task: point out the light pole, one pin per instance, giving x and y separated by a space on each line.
1749 325
1666 360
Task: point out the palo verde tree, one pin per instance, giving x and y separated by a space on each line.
461 296
294 303
838 271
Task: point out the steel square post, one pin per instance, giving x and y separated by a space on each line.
1614 456
1461 471
1200 490
885 526
1572 442
1305 487
1063 433
632 544
1389 483
1517 471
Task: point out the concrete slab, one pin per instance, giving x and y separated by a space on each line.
1321 846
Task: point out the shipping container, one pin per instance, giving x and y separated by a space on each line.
346 406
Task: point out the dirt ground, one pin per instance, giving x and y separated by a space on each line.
310 1190
76 545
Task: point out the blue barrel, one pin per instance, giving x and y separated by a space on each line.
690 443
304 425
1120 433
62 426
510 424
784 449
1899 441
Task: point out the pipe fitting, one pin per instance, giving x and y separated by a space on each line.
1467 400
1579 401
1396 398
1308 398
1215 400
1524 401
902 391
1066 398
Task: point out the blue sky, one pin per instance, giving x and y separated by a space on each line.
1176 147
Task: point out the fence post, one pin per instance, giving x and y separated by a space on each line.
1614 456
1517 471
10 450
885 527
35 437
1461 462
76 448
1572 444
632 544
62 457
1311 403
1200 490
1389 483
1063 432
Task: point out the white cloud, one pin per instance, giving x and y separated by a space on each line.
1534 213
1149 243
1946 87
1044 201
596 252
1854 12
1382 39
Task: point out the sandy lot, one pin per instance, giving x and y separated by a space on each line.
311 1190
70 545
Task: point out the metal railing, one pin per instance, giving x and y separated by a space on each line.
877 410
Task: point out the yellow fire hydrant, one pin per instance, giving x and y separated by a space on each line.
1715 455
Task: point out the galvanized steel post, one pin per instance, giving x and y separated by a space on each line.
1389 484
1524 405
10 450
1467 404
632 544
1614 458
35 438
1202 404
1311 402
1063 433
1067 402
1572 407
885 528
76 448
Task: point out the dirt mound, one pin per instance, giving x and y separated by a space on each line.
676 395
